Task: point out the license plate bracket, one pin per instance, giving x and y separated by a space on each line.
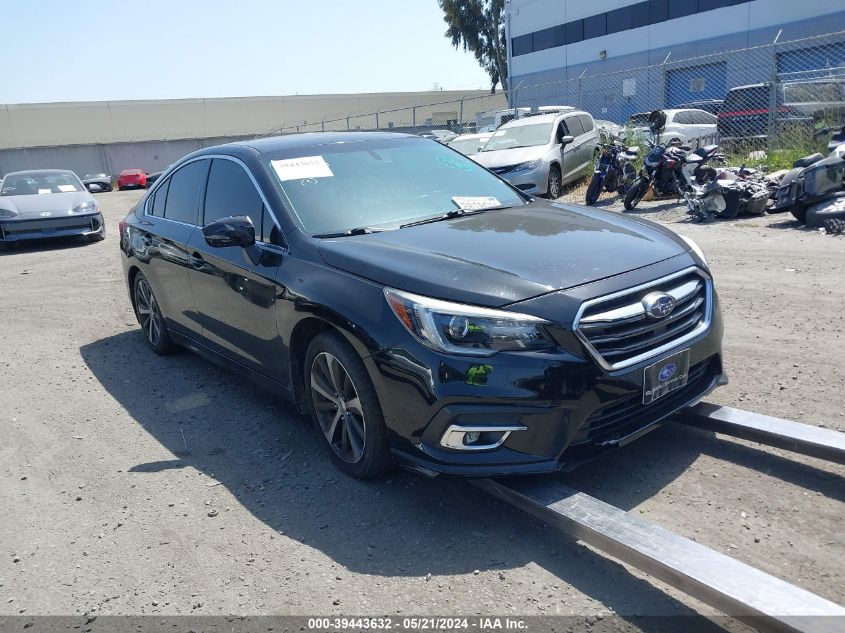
665 376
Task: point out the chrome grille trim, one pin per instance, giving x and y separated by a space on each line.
687 298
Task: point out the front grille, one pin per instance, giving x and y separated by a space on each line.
618 332
502 170
627 415
47 225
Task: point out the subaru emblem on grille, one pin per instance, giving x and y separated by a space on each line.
658 305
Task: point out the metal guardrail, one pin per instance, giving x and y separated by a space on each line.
731 586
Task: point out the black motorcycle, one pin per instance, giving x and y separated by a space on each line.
614 171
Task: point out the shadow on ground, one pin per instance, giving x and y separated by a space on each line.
274 464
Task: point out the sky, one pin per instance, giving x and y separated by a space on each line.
91 50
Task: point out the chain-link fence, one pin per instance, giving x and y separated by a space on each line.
776 97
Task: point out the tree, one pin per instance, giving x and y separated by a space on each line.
479 27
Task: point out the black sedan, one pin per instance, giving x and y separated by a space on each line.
97 182
419 308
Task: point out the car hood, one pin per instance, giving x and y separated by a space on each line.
36 206
505 157
500 257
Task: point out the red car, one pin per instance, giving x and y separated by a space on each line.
132 178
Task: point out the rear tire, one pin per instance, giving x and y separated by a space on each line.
635 193
149 316
799 212
555 187
345 407
594 190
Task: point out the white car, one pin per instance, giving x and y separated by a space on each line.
539 154
469 144
682 126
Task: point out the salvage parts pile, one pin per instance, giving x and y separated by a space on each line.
813 190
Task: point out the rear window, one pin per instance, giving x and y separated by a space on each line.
816 92
747 98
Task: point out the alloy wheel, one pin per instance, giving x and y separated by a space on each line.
148 312
554 184
338 407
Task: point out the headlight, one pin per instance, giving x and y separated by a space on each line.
86 207
531 164
695 248
461 329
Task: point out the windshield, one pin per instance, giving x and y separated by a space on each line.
520 136
467 145
380 183
40 182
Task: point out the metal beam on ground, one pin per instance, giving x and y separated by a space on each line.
792 436
734 588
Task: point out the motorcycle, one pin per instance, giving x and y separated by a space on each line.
670 170
615 170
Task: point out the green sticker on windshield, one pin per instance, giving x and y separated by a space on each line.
454 162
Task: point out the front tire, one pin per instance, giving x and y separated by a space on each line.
635 193
149 316
594 190
555 183
345 408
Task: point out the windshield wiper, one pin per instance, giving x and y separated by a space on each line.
454 213
358 230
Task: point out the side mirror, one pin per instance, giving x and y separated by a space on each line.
232 231
566 140
94 188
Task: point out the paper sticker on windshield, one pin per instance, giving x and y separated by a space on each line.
67 188
41 192
475 203
301 168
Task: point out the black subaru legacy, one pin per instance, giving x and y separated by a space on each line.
417 307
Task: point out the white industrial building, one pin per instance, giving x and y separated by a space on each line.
558 42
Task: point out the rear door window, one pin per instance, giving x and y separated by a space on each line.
185 192
684 117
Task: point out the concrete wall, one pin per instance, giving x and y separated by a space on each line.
102 122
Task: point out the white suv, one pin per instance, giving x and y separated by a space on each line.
687 125
540 153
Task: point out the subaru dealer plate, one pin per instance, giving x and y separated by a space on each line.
665 376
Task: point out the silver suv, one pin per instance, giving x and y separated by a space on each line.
539 154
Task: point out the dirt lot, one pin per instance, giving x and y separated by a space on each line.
112 459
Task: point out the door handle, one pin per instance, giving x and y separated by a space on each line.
196 260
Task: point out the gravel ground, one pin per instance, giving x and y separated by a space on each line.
132 484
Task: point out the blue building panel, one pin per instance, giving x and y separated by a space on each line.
696 83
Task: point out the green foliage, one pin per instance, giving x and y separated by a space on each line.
479 27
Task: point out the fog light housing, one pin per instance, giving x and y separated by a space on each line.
472 437
476 437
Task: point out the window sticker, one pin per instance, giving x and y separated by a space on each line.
41 192
475 203
300 168
67 188
454 163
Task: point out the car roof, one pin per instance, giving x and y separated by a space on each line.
550 117
38 171
308 139
469 137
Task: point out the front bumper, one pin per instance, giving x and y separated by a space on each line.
42 228
534 181
570 408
